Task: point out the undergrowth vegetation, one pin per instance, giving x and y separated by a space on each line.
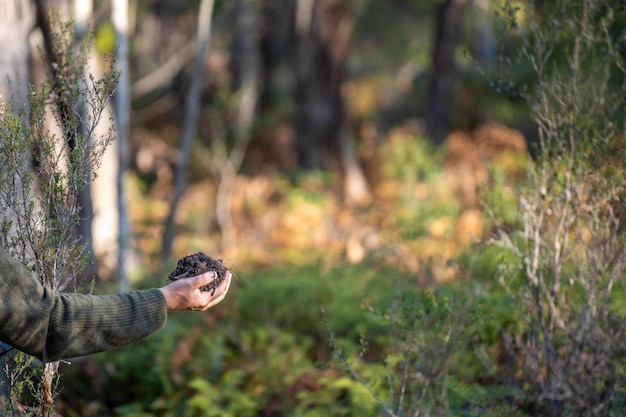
312 333
483 282
491 285
487 279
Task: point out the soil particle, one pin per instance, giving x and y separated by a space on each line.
197 264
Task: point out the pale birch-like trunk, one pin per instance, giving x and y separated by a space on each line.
122 118
98 201
16 20
82 12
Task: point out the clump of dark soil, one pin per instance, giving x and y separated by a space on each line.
197 264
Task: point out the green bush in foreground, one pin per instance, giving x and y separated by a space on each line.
42 174
567 251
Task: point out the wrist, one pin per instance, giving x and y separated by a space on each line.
166 297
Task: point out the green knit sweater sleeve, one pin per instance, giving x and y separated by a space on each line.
53 326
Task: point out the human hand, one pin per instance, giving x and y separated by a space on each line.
185 293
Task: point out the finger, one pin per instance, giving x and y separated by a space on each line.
221 291
222 288
205 279
227 281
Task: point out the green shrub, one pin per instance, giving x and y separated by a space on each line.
434 335
567 242
43 173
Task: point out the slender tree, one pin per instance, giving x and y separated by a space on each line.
15 23
16 20
439 99
122 119
190 123
324 31
82 12
247 70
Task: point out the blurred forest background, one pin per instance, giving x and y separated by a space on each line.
363 168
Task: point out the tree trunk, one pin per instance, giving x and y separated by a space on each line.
190 124
275 30
104 195
323 34
448 26
16 19
323 31
49 377
483 44
247 70
356 190
122 118
103 189
83 13
15 23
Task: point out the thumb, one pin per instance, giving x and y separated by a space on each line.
205 279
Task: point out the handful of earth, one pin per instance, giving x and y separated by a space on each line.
198 264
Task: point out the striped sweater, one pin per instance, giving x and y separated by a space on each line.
53 326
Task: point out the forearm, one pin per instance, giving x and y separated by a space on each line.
55 326
84 324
